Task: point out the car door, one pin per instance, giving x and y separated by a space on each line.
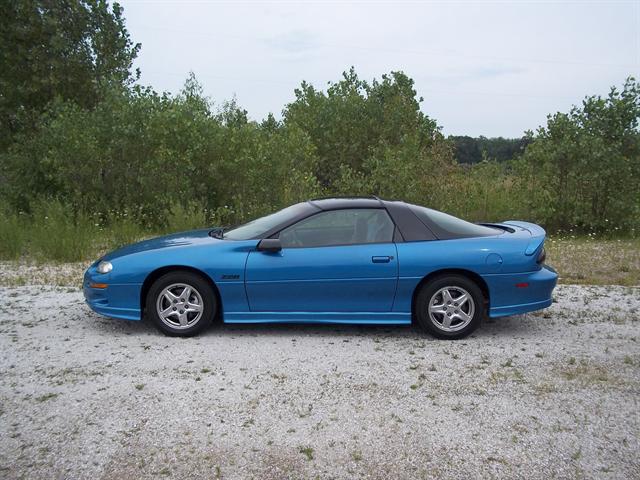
334 261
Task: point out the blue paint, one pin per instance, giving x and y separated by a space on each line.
359 284
320 279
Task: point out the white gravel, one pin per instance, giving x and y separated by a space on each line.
555 394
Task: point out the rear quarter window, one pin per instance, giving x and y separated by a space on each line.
447 226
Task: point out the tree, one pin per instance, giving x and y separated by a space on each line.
67 49
583 168
354 119
473 150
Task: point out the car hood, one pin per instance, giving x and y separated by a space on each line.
181 239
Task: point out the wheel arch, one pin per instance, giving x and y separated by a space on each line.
159 272
473 276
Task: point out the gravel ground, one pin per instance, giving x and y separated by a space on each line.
554 394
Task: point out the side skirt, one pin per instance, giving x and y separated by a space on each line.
363 318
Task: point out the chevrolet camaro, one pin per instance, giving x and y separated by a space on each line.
332 260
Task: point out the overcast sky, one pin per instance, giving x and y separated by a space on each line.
483 68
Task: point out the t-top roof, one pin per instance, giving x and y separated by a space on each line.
333 203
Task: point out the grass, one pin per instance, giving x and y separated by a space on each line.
307 452
54 233
46 396
592 261
586 373
51 234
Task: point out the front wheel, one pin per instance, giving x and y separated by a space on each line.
449 307
181 304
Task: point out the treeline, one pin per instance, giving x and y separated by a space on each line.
140 153
477 149
104 155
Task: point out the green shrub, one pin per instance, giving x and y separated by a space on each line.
13 235
181 218
120 229
56 233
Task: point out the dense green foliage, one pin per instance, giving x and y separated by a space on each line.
67 49
98 161
141 153
583 167
475 150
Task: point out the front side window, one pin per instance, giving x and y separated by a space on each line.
260 226
340 227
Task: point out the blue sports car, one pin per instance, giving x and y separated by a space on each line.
332 260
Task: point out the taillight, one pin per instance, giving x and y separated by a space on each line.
542 256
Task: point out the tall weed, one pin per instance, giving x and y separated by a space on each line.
13 235
56 233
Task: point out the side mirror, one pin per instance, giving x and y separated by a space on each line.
269 245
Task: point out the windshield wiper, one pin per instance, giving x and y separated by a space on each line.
217 232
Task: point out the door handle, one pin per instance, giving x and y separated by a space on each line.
385 259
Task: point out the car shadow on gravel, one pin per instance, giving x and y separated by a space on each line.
509 327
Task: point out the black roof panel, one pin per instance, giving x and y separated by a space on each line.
346 202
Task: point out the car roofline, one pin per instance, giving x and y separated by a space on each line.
409 227
341 202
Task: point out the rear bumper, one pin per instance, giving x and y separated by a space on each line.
505 311
513 294
115 301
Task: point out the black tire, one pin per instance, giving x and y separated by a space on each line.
459 327
174 281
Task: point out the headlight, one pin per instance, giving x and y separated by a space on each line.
104 267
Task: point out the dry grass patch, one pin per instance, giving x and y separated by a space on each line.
588 261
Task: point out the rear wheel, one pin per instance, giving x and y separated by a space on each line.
181 304
450 306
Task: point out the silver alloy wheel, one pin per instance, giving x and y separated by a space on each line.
179 306
451 309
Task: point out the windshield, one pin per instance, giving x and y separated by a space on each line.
258 227
453 226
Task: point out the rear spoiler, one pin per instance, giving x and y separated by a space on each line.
537 234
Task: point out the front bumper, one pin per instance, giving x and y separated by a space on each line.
509 295
115 301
